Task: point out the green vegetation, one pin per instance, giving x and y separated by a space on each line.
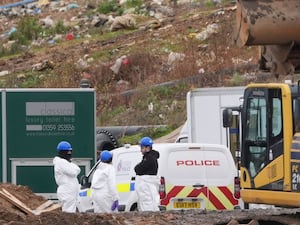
59 28
106 116
106 7
237 80
136 4
151 132
28 29
112 6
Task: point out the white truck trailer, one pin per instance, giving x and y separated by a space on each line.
204 116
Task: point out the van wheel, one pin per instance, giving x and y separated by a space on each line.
134 207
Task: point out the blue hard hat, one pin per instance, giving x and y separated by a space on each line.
105 156
146 141
64 146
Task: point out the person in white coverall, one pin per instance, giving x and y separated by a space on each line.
147 181
104 191
65 174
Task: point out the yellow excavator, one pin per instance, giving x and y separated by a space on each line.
270 115
274 26
270 144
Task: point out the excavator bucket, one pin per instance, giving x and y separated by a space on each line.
273 22
274 25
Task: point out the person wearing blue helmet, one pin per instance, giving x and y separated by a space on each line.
65 174
104 192
147 181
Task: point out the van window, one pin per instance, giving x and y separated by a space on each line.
199 167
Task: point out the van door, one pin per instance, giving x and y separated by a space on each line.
220 173
185 178
124 163
199 177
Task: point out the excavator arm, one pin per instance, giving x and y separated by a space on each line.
274 25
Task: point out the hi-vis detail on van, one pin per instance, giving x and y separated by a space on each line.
192 176
217 198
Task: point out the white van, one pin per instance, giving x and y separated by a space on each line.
192 175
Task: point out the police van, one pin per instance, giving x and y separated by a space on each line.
192 176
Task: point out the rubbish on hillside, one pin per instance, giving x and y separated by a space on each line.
58 37
99 20
47 22
122 85
42 3
175 56
201 71
8 45
45 65
210 29
152 24
192 35
12 30
125 61
72 6
86 75
63 9
69 37
116 67
21 76
239 61
84 62
21 3
162 116
37 11
4 72
122 22
159 11
51 42
150 107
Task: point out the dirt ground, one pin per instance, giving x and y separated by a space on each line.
12 215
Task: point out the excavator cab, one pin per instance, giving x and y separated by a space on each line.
270 156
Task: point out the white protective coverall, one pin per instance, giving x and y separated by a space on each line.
65 174
146 187
104 190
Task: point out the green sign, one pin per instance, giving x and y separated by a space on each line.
35 121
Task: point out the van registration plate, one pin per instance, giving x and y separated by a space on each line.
186 205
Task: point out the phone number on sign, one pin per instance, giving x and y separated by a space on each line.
59 127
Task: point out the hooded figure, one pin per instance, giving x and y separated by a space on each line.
104 192
147 181
65 174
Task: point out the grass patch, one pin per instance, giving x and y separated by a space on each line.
108 115
154 133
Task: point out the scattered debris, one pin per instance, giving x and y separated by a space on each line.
45 207
117 65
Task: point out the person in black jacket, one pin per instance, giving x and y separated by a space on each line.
147 181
